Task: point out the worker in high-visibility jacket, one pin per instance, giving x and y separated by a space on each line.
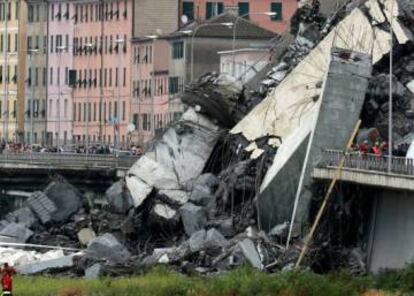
7 273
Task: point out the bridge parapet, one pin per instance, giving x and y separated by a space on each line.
367 162
68 160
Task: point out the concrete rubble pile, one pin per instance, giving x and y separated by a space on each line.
203 199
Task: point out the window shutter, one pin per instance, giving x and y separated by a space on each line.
209 10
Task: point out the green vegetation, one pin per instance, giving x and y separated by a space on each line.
242 282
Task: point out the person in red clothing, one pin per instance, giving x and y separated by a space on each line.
7 279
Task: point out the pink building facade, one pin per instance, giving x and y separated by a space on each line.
59 95
149 82
102 60
204 9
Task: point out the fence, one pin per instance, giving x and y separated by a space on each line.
62 160
370 162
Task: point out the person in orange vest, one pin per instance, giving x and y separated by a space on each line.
7 279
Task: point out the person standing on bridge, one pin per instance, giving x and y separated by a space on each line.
7 279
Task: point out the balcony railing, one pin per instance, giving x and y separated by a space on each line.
368 162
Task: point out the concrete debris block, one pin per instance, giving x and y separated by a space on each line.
154 174
193 217
410 86
85 235
61 263
66 198
203 189
197 240
279 230
228 84
42 206
250 253
185 149
226 227
119 198
179 197
139 190
15 233
108 247
94 272
163 214
23 215
214 239
278 76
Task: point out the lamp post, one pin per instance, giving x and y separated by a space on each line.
88 46
233 47
31 52
60 49
228 25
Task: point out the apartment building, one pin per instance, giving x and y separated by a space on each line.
36 72
253 10
101 59
12 69
60 60
149 106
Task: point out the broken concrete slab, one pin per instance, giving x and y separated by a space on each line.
162 214
119 198
139 190
330 127
185 149
285 107
61 263
42 206
108 247
85 235
15 233
66 198
197 240
214 239
23 215
94 272
250 253
179 197
153 174
193 217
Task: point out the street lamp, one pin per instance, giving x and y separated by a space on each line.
118 111
60 49
268 13
228 25
31 52
88 46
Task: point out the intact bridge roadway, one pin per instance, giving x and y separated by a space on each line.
32 170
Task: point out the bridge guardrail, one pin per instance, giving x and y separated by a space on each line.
367 161
69 160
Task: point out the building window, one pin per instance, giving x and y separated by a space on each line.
30 13
173 85
124 78
188 10
213 9
244 9
74 111
51 76
178 50
277 8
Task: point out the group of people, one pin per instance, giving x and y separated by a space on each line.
12 147
7 273
379 149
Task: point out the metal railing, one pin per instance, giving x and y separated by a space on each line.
368 162
68 160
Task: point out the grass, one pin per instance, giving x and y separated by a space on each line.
241 282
